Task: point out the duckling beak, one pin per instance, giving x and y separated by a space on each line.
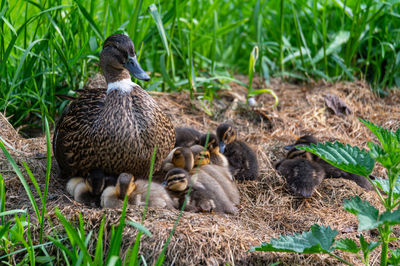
221 146
288 147
164 183
133 66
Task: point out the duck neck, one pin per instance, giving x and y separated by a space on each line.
118 79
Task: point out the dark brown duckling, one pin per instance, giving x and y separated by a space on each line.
88 190
199 200
242 159
330 170
114 128
301 173
186 137
213 147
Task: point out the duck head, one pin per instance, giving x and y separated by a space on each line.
118 59
176 180
125 185
226 134
96 181
212 142
201 155
183 158
302 141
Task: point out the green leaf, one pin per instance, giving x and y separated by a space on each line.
318 240
348 158
140 227
395 258
347 244
367 214
367 247
390 218
156 16
341 38
383 184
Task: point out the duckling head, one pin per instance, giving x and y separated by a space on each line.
212 142
118 58
95 181
183 158
125 185
302 141
177 179
201 155
295 153
226 134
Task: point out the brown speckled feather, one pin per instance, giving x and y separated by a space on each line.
115 132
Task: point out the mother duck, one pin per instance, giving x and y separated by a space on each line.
113 129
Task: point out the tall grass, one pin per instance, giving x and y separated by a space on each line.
50 48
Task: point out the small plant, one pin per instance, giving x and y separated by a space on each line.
358 161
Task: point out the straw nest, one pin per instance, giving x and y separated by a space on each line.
267 209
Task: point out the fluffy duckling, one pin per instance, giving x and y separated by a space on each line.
301 173
213 147
242 159
186 137
201 157
136 191
114 128
330 170
216 172
177 182
88 190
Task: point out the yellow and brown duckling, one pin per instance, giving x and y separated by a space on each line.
136 191
201 156
242 159
186 137
330 170
301 173
216 157
114 128
199 200
88 190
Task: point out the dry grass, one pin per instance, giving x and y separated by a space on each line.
267 209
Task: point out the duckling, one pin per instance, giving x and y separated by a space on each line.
219 173
201 157
301 173
88 190
114 128
177 180
242 159
179 157
113 195
186 137
213 147
330 170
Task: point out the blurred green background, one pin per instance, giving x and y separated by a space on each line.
50 48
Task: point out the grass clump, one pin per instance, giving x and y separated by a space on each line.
51 48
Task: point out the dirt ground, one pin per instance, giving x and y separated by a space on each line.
267 208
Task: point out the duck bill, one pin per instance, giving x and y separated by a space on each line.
164 183
289 147
221 147
135 69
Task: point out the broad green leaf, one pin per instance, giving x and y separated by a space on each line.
390 218
348 158
347 244
384 185
367 214
367 247
318 240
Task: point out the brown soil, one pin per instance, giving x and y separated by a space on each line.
267 208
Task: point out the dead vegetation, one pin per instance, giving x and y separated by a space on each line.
267 209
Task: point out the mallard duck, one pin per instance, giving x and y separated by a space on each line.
242 159
136 191
301 173
330 170
213 147
114 128
177 182
88 190
201 156
186 137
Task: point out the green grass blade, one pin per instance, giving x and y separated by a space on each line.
156 16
